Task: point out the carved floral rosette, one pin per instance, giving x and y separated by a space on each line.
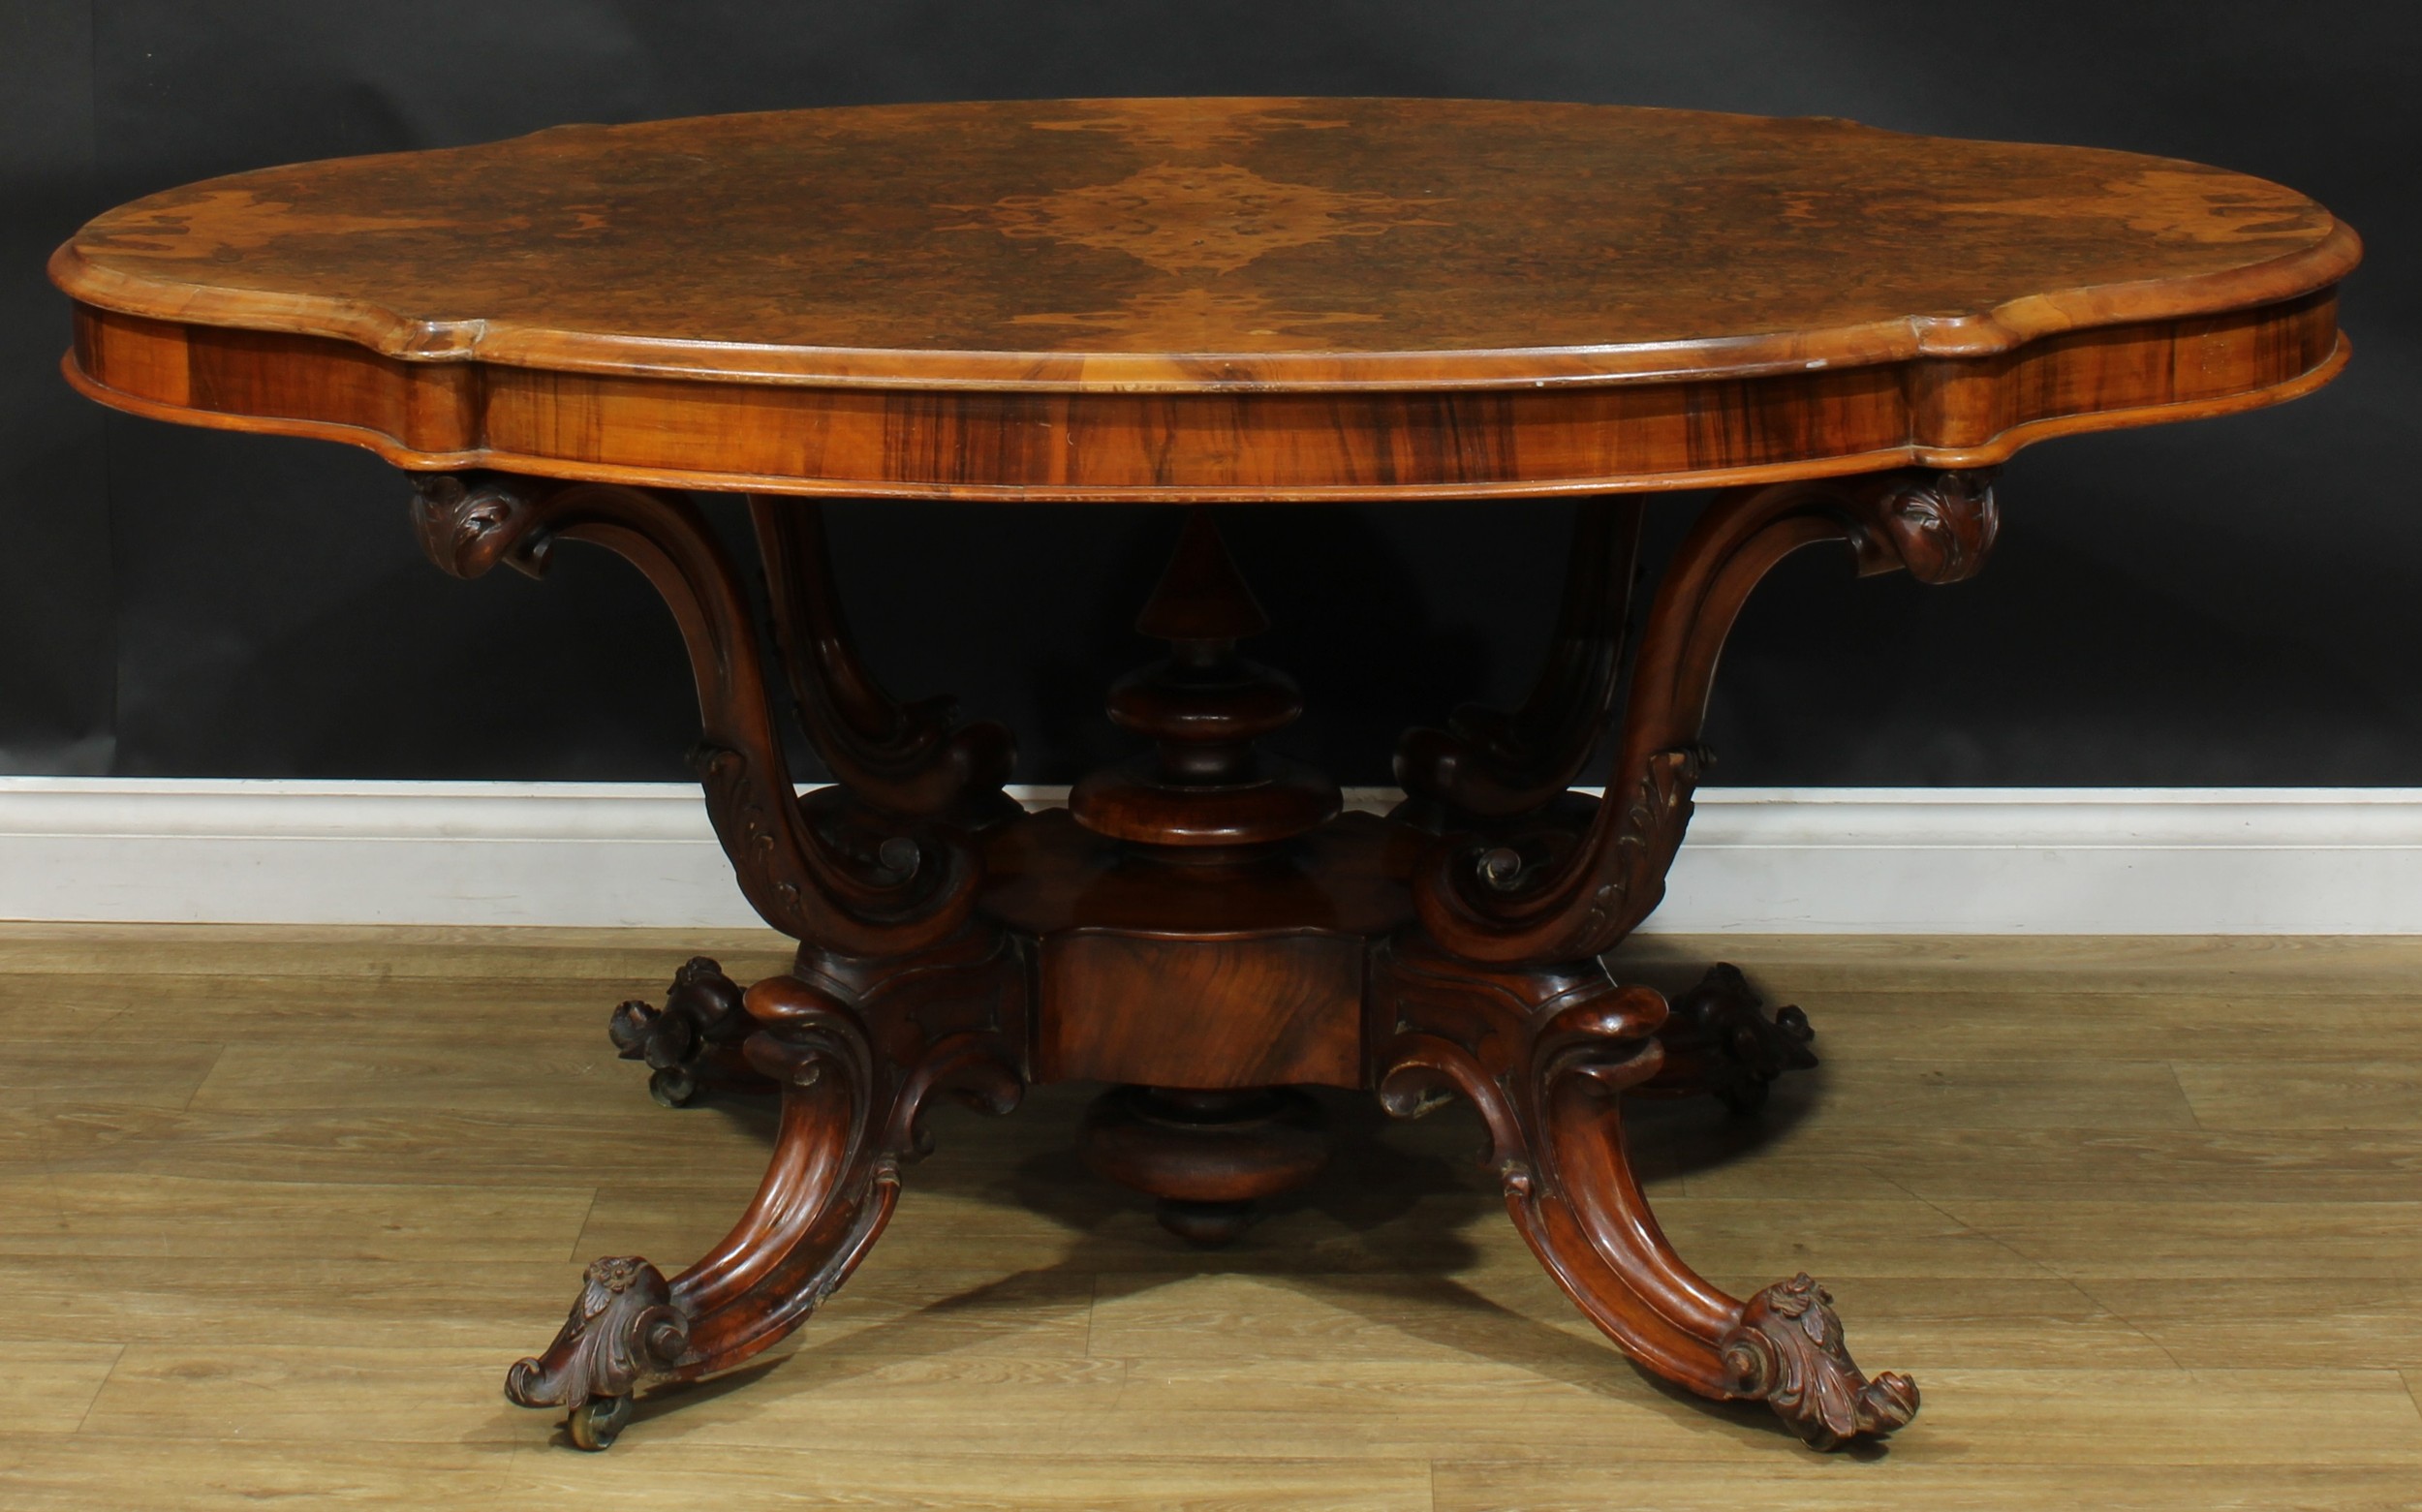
702 1012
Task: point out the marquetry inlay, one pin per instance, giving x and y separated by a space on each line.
1187 219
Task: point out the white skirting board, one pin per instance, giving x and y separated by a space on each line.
1785 860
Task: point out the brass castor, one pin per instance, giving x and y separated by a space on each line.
595 1423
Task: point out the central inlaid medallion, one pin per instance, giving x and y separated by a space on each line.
1185 218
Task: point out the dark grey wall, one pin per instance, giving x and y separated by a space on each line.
2228 601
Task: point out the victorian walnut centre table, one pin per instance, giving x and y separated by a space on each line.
1188 302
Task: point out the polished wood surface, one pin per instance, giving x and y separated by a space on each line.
1206 790
1209 299
279 1201
1192 300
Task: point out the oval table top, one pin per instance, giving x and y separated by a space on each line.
1196 300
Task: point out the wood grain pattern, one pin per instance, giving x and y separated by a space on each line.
1208 299
1385 1343
1251 1011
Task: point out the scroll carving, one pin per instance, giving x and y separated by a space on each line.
1499 994
1788 1349
807 879
1939 527
623 1331
901 758
1506 1042
1566 899
1546 1055
1495 763
859 1047
467 525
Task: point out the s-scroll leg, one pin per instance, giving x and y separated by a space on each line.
856 1048
1546 1055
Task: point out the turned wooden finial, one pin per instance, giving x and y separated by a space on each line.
1201 596
1206 790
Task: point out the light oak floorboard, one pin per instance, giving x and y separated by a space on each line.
2347 1093
498 1148
102 1213
2279 966
277 1207
47 1386
2249 1022
878 1482
1578 1486
152 1073
86 1472
2061 1164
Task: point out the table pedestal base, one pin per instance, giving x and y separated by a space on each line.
1205 928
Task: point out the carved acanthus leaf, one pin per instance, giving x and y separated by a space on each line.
1788 1349
623 1330
1939 526
1605 1044
467 525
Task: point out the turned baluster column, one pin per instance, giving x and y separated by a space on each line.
1206 794
1204 797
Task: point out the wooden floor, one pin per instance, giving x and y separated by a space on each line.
276 1209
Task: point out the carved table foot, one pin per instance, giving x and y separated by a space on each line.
1719 1039
1546 1055
1788 1349
693 1039
858 1049
623 1330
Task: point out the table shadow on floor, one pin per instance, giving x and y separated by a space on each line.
1379 1233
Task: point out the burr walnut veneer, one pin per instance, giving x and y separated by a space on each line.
1185 301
